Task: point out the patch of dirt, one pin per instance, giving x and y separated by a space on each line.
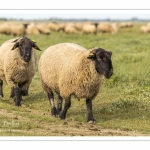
66 128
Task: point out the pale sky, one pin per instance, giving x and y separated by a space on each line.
75 9
74 14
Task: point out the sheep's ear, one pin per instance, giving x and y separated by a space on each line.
15 40
33 41
35 46
91 56
15 46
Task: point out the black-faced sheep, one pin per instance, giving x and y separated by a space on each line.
17 66
69 69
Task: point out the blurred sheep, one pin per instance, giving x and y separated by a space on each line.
125 24
106 27
145 29
32 29
89 29
70 29
43 28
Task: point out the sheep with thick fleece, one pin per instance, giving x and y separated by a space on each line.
17 66
89 29
145 29
106 27
69 69
70 30
32 29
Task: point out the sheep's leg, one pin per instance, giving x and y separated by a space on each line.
50 96
12 94
59 104
17 97
1 88
24 92
67 105
90 118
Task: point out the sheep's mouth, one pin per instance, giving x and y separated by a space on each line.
27 59
108 74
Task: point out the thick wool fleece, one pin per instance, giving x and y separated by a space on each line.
12 67
66 69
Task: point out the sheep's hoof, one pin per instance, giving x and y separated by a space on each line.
24 92
18 104
62 116
91 121
1 95
54 111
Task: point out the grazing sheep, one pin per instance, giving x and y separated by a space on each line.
125 24
5 28
69 69
17 29
17 66
70 29
43 28
144 29
106 27
32 29
89 29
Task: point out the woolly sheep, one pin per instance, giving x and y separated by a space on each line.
17 66
107 27
32 29
69 69
43 28
70 30
5 28
145 29
17 29
125 24
89 29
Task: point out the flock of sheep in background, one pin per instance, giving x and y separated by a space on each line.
36 28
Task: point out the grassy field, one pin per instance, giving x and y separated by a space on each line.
122 106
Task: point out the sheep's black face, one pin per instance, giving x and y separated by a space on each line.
103 63
25 46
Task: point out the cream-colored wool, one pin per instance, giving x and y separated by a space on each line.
65 69
145 29
107 27
89 28
13 68
32 29
70 29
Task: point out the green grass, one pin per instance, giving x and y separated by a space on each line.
122 103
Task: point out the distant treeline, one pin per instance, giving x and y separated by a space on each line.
75 20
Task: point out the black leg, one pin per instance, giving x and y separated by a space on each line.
24 92
90 118
50 96
1 88
67 105
59 104
17 97
12 94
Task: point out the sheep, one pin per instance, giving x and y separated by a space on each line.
43 28
5 28
106 27
144 29
71 70
125 24
17 66
70 29
17 29
89 29
32 29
